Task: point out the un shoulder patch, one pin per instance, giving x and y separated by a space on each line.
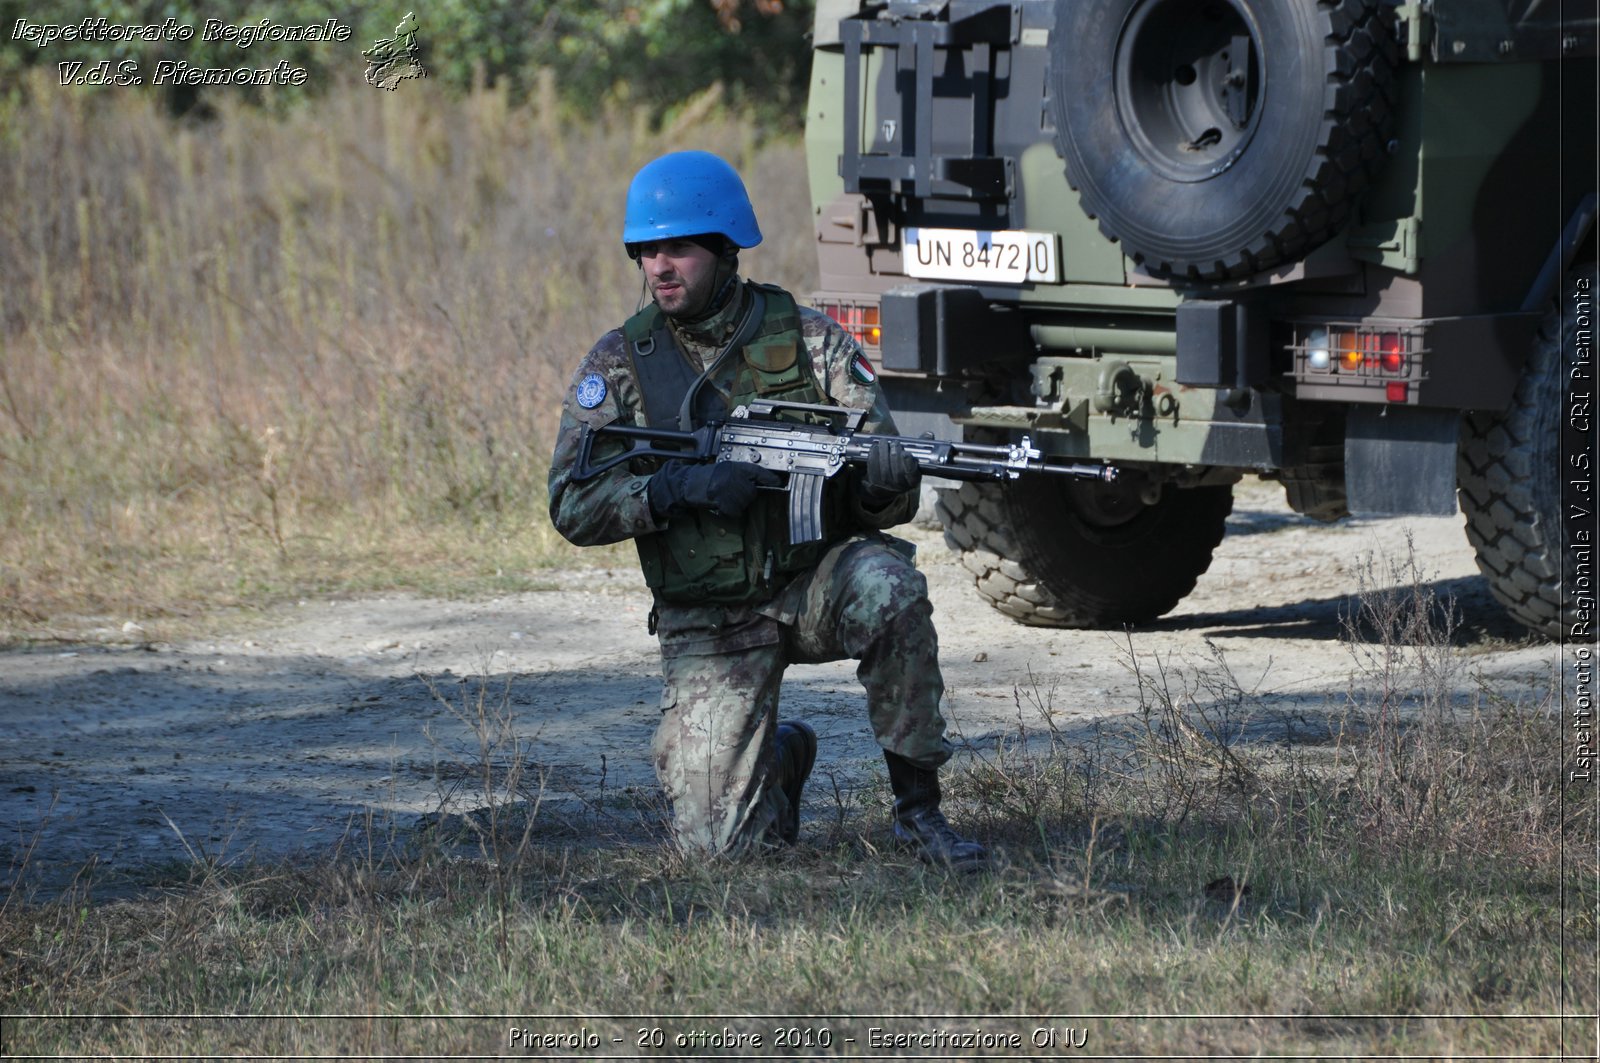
591 391
861 370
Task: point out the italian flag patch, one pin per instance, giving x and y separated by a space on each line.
861 370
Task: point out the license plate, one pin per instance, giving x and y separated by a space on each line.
1006 257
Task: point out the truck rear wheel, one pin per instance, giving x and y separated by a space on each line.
1218 138
1508 472
1058 553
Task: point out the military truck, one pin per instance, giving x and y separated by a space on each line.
1346 245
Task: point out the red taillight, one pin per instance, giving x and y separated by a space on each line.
1391 353
1354 350
1346 361
858 320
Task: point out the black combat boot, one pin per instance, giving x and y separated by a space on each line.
918 823
797 752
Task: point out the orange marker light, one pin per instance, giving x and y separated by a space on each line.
1350 356
860 321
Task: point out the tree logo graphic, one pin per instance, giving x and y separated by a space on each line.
393 59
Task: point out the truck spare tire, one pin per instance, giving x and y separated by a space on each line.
1215 139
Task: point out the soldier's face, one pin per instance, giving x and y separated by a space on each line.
679 273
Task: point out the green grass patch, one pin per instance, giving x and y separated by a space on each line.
844 930
1156 890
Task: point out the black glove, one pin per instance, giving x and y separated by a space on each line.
891 472
726 488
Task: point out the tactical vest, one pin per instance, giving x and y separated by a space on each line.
701 557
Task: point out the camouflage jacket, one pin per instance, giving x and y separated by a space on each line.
615 505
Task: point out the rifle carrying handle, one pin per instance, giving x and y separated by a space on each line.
848 418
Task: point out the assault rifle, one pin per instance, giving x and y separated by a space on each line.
824 442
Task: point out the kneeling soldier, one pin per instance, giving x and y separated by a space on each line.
735 601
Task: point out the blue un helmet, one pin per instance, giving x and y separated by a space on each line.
688 193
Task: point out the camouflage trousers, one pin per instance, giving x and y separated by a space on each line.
715 749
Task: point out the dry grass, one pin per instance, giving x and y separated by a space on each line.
255 357
250 359
1397 883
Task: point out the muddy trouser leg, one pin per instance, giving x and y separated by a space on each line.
868 602
714 749
871 603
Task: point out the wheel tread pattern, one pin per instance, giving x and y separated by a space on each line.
1507 474
979 526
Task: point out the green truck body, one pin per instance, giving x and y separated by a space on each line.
1318 241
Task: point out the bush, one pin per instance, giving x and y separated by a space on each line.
657 52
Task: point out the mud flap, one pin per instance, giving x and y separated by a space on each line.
1400 461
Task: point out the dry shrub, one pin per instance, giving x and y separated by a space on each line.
1431 765
254 340
1421 757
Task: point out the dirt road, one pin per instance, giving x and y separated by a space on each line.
338 713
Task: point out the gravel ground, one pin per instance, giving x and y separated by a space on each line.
333 715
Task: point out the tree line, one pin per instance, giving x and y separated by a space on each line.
651 53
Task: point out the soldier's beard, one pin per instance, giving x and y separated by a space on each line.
699 303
